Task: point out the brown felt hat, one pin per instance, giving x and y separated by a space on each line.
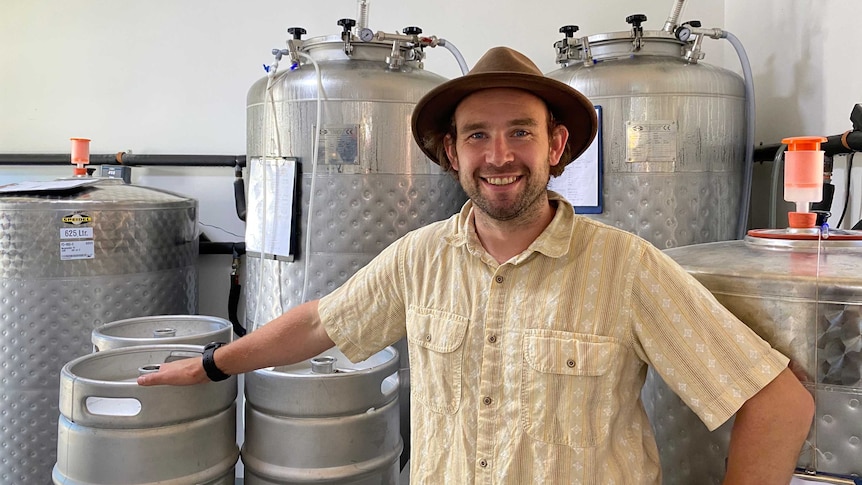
502 67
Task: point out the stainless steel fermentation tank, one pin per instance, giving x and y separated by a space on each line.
804 296
70 262
371 183
673 134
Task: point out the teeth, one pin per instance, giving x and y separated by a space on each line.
501 180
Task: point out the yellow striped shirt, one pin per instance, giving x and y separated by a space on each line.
530 371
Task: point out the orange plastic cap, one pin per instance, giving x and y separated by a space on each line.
803 143
800 220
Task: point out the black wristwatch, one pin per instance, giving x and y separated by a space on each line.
214 373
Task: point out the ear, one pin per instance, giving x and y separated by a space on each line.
449 145
559 137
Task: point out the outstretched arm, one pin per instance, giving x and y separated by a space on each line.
768 433
296 335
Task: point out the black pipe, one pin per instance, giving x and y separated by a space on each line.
834 145
211 247
52 159
122 158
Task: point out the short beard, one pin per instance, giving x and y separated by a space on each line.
524 208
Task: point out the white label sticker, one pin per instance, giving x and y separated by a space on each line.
70 250
76 233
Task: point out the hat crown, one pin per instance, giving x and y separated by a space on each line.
504 59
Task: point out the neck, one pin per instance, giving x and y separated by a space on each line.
506 239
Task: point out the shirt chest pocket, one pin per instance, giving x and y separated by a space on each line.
568 383
436 347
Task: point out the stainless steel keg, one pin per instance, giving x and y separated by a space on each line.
113 431
162 330
323 421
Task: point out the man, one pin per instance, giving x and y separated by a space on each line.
530 328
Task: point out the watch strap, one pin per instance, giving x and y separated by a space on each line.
213 372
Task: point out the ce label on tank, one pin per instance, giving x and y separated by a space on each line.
339 145
651 141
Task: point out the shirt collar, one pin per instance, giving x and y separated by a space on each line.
553 242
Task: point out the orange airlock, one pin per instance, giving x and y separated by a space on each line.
803 177
80 155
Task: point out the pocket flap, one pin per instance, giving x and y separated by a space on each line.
570 354
435 330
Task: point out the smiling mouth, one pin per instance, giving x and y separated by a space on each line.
501 180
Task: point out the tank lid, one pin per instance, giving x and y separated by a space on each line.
331 48
113 192
804 237
618 45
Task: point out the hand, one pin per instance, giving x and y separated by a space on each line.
184 372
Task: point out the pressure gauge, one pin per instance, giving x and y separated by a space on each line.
683 33
366 34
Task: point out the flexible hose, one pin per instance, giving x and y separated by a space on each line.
673 18
455 52
314 162
266 98
742 222
776 181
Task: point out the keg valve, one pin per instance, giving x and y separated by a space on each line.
323 365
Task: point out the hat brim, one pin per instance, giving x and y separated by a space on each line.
433 113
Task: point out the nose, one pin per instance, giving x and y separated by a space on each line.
500 151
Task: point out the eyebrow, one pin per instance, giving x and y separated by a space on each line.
516 122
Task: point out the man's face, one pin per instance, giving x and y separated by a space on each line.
503 152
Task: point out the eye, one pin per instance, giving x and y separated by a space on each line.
476 136
520 133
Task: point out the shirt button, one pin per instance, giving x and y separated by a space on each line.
487 400
498 279
570 363
492 339
483 463
428 338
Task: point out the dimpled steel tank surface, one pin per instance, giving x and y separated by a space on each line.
69 263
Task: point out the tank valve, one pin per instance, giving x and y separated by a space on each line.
564 46
637 31
296 32
688 32
346 35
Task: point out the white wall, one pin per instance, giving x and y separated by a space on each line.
805 57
